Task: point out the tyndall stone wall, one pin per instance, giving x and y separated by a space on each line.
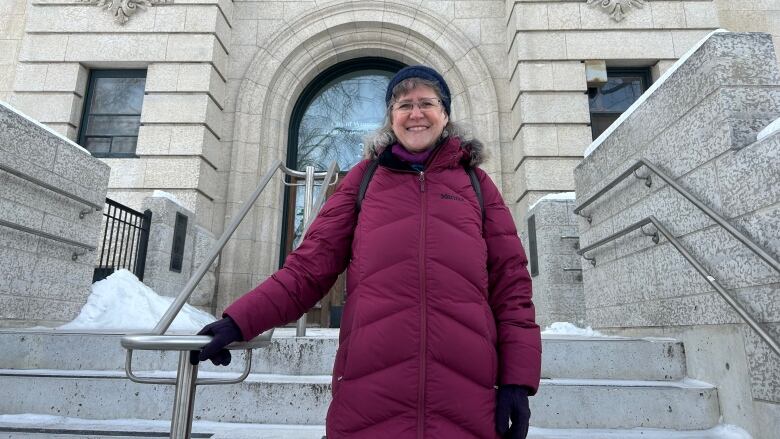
700 128
43 281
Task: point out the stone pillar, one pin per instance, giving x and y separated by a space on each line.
551 243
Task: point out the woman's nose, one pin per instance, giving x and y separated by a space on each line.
416 112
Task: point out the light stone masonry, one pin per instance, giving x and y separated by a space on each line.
699 127
43 281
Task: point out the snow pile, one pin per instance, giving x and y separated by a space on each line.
769 130
566 328
122 302
562 196
167 195
683 59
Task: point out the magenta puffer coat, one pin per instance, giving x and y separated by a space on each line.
438 307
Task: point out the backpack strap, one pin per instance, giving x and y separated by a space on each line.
477 188
367 175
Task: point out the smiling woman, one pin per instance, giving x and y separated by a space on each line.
438 295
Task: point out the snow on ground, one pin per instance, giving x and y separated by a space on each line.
769 130
683 59
559 196
122 302
566 328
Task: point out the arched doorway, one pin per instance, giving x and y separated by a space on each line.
329 120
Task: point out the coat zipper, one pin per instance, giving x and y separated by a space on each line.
423 319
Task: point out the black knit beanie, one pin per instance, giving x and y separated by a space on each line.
423 72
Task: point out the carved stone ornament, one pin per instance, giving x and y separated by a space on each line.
123 9
618 8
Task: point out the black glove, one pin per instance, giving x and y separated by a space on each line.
224 331
512 403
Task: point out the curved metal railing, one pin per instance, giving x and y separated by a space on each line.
186 379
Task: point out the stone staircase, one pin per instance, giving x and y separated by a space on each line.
591 387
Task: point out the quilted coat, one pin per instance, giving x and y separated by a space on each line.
438 308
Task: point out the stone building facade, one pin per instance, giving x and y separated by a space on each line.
223 78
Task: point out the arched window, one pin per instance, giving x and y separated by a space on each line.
333 114
330 119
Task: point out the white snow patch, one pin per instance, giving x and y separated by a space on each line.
649 92
122 302
566 328
562 196
769 130
44 127
723 431
169 196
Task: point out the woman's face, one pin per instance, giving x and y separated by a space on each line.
418 129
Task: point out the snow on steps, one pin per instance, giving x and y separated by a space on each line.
287 399
77 375
563 356
53 427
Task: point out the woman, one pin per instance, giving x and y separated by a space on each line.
438 308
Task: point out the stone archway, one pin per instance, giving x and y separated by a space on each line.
292 58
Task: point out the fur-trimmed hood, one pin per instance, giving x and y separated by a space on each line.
473 147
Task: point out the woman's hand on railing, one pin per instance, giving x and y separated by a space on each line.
224 332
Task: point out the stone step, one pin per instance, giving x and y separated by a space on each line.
51 427
287 399
562 356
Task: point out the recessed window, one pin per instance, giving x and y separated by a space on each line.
609 101
112 113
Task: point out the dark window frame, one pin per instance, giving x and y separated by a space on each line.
302 104
94 75
647 80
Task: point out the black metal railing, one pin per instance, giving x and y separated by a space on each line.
124 241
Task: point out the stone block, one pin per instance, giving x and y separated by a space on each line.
529 16
749 179
764 364
668 15
564 16
548 76
171 18
177 173
182 108
767 417
43 47
126 173
30 77
117 47
533 46
244 33
701 15
162 77
611 45
480 9
50 107
545 107
66 77
13 308
8 51
77 18
546 174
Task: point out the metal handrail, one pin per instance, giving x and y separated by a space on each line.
186 373
766 336
43 184
49 236
774 263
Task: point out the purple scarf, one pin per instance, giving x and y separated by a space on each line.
415 159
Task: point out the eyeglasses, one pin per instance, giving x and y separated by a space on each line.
425 105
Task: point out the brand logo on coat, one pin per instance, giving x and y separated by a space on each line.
451 197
